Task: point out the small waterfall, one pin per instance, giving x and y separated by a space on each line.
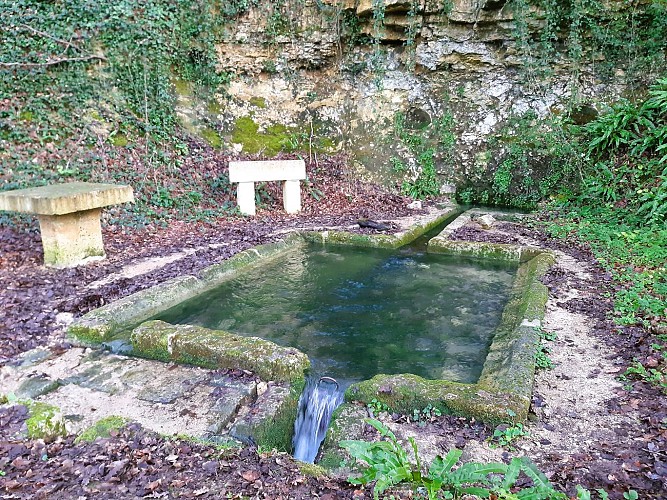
316 405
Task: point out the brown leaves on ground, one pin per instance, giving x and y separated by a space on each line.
140 464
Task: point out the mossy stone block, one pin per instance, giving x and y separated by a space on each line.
218 349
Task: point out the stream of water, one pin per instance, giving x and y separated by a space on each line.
317 403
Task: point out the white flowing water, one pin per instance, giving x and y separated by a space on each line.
316 405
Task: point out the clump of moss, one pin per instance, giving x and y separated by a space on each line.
102 429
312 470
211 137
276 138
182 87
119 140
271 142
45 422
259 102
26 116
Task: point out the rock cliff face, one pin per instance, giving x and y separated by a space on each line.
384 80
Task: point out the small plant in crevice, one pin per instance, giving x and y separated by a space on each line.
652 376
505 434
375 407
542 359
426 414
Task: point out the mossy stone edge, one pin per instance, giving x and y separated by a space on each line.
102 324
390 241
198 346
504 389
102 428
45 421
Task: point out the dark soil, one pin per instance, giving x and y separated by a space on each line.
134 463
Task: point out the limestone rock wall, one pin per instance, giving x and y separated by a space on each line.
343 69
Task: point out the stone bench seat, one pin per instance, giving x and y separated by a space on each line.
246 173
69 217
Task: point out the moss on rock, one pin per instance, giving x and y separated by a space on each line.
45 422
270 143
218 349
312 470
347 422
277 432
102 428
406 392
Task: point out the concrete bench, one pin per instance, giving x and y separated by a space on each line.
246 173
69 217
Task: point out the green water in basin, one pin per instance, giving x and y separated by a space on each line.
360 312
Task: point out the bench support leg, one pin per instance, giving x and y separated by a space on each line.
71 239
292 197
245 197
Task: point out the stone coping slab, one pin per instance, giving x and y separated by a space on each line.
268 170
198 346
419 228
61 199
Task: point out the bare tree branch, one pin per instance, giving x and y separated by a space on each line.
49 36
52 62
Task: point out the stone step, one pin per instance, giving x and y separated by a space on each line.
88 385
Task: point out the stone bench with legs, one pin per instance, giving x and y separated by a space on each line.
246 173
69 217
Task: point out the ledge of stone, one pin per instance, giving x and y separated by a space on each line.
60 199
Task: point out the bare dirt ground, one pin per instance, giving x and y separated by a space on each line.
586 428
